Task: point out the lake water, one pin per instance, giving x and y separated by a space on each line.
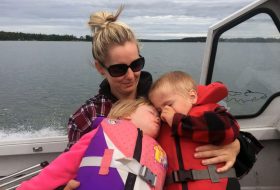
43 83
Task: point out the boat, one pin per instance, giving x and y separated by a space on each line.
254 96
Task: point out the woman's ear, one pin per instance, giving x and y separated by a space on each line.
193 96
99 68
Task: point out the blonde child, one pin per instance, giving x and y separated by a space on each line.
120 153
192 122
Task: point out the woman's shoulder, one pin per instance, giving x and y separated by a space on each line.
98 104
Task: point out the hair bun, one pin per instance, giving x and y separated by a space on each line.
101 19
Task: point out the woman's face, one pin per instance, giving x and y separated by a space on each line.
124 86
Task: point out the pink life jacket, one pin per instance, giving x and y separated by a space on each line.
110 163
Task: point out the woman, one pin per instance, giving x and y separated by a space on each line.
117 57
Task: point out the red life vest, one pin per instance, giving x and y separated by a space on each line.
208 97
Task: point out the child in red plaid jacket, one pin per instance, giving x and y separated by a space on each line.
193 122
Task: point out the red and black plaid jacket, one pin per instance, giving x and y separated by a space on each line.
214 126
100 105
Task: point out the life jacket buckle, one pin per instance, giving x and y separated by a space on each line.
147 175
182 175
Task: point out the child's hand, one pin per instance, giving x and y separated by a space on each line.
72 184
167 115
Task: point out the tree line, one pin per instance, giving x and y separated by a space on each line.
19 36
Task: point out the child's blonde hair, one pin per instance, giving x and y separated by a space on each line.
124 108
177 81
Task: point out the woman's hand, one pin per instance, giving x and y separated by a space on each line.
72 185
212 154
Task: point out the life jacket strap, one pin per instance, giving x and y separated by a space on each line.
127 164
180 176
131 178
140 170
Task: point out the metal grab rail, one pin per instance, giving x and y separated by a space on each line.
13 181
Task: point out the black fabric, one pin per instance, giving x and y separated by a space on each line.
131 178
143 87
233 184
249 148
138 146
180 159
187 125
215 124
174 127
61 187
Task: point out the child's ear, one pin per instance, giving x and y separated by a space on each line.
193 96
127 118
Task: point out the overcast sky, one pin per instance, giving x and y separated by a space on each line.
153 19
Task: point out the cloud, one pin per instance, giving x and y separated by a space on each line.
154 18
177 26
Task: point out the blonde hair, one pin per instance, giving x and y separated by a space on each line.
107 32
124 108
177 81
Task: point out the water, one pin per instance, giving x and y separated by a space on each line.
43 83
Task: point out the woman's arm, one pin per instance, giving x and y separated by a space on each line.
249 148
240 154
80 122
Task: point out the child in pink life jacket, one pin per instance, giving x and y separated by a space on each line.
120 153
191 122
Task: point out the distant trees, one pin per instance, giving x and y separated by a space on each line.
249 40
15 36
189 39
